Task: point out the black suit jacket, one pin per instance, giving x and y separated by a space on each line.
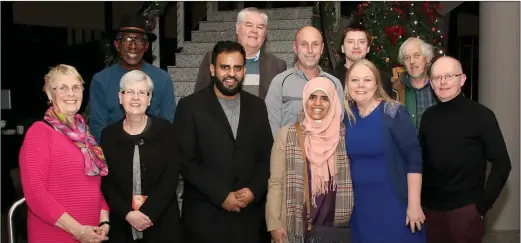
269 67
159 172
214 164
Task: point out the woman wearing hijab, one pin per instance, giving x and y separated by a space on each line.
386 163
141 151
61 168
328 174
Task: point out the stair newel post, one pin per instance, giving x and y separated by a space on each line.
153 11
152 23
156 44
180 24
180 42
211 7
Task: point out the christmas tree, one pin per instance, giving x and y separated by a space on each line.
391 23
323 18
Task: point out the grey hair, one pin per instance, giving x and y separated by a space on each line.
136 76
427 50
242 15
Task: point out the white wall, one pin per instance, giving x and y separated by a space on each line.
499 83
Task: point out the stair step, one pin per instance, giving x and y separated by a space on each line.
214 36
276 24
276 13
203 48
182 89
187 60
183 74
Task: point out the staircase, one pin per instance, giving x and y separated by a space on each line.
283 24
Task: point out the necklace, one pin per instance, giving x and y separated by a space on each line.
375 104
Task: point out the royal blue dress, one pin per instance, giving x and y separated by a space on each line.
378 216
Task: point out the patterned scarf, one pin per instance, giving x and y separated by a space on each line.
94 159
295 200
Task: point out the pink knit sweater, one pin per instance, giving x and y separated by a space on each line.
54 182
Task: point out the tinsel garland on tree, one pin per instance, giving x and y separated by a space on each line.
323 18
391 23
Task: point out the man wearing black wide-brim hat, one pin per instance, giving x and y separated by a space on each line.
131 41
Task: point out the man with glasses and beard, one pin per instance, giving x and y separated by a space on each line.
225 144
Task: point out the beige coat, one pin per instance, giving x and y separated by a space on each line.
275 205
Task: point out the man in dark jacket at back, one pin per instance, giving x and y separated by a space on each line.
261 66
356 43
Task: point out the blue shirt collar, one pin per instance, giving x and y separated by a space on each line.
254 58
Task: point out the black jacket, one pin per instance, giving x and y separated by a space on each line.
159 177
214 164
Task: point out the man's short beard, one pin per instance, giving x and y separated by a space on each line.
421 75
226 91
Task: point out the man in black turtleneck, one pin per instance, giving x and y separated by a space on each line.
458 137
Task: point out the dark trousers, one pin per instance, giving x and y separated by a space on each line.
462 225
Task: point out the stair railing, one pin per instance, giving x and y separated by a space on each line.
180 24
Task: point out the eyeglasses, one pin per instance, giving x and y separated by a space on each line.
129 40
444 77
139 93
65 89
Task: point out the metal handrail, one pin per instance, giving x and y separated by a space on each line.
180 24
10 232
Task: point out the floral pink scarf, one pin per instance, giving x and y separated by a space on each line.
94 159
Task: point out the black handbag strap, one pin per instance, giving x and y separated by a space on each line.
306 176
48 123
